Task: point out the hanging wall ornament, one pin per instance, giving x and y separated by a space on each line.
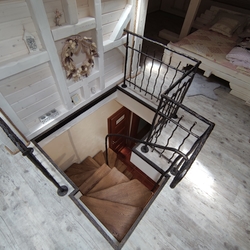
30 41
57 18
73 46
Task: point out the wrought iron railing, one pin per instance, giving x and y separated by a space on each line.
150 76
176 140
61 190
187 133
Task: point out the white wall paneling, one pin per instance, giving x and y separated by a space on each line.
39 15
122 23
70 11
14 19
110 69
84 24
32 84
50 7
12 115
31 94
96 10
112 13
112 5
22 63
109 45
83 9
85 81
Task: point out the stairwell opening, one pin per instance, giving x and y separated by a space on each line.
115 202
123 189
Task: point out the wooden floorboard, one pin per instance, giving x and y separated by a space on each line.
209 209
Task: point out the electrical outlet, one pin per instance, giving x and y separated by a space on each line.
48 116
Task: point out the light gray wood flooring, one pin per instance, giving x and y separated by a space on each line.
209 209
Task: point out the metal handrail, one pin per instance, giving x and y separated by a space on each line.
61 190
145 149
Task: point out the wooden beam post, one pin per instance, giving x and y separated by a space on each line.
190 15
39 16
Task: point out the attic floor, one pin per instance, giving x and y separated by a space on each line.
209 209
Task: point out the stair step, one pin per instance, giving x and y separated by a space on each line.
117 218
132 193
76 168
128 174
90 162
94 179
80 178
113 178
99 158
120 165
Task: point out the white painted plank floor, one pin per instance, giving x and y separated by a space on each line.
209 209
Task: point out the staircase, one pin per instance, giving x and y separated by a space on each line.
110 192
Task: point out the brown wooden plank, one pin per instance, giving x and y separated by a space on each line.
131 193
113 178
95 178
99 158
89 161
120 165
128 174
80 178
76 168
117 218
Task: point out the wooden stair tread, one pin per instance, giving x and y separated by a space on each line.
90 162
94 179
117 218
76 168
120 165
113 178
80 178
99 158
132 193
128 174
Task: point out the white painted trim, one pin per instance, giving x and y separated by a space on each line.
122 50
13 116
23 63
144 167
109 45
39 17
141 13
116 80
77 120
84 24
135 107
75 86
99 40
122 23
